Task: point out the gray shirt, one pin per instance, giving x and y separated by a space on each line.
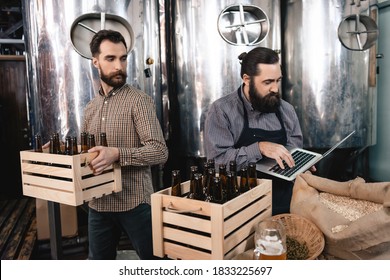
225 122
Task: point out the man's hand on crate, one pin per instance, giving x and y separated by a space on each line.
106 157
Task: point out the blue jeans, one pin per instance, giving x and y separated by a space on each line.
105 228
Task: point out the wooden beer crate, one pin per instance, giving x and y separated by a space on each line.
66 179
190 229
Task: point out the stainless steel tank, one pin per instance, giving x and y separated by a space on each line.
204 41
61 79
329 54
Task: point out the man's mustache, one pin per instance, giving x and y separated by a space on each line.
120 73
273 94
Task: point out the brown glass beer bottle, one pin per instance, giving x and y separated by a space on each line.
223 178
205 175
176 183
231 186
198 185
68 146
91 141
193 171
217 190
84 142
208 190
233 170
38 143
103 139
244 180
75 149
57 144
252 175
52 145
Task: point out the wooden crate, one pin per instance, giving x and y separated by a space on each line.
66 179
196 230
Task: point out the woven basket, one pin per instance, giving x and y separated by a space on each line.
304 231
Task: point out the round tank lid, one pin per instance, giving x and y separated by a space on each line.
243 25
358 32
87 25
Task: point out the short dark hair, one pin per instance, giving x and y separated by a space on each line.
97 39
257 55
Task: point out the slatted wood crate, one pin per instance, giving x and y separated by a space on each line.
191 229
66 179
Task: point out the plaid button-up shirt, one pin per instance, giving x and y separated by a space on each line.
128 117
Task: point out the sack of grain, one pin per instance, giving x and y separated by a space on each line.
354 215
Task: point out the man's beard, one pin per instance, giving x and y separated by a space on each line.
267 104
112 79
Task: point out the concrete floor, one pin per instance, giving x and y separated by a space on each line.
127 255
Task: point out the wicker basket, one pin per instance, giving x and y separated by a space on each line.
304 231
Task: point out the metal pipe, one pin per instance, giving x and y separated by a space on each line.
11 41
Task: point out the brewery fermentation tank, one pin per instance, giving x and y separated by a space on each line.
61 78
330 63
205 40
202 40
185 55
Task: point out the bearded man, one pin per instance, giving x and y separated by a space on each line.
135 142
254 122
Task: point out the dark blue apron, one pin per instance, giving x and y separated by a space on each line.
281 189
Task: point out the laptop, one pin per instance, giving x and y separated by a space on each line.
304 159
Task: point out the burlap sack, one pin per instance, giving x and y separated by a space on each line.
365 238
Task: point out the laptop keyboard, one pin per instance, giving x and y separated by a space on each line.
300 158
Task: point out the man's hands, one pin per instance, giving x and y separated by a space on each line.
106 157
277 152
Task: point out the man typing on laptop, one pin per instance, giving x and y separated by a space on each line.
254 122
